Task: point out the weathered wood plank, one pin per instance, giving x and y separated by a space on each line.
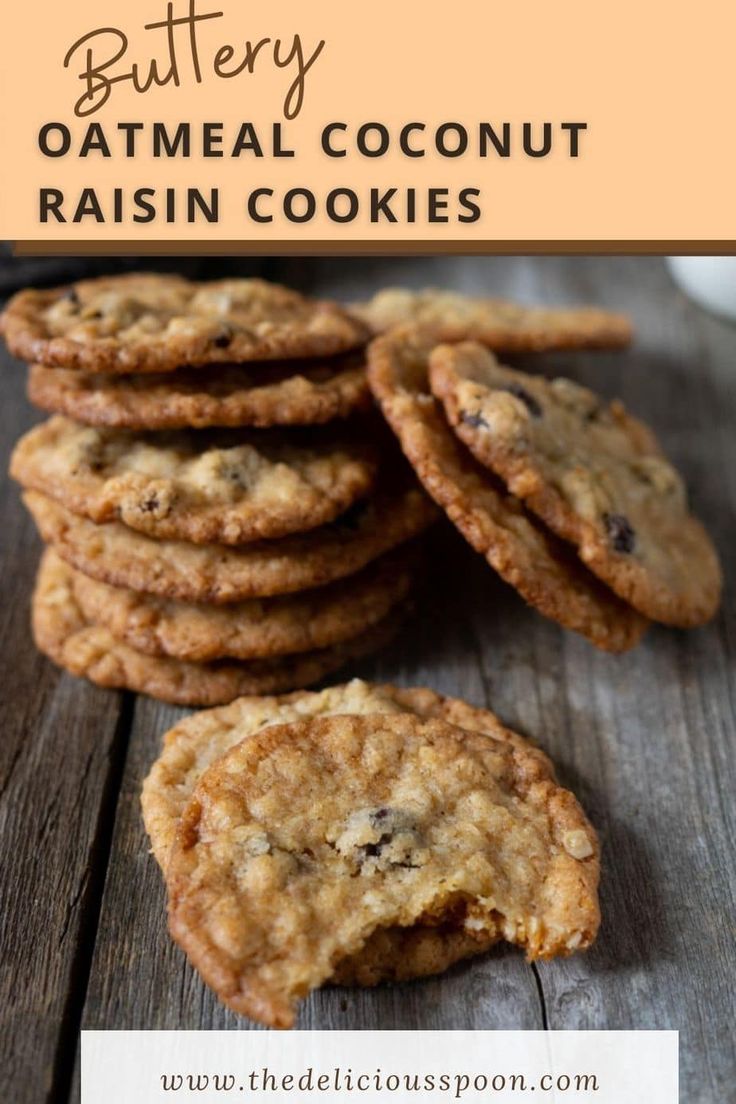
58 758
647 738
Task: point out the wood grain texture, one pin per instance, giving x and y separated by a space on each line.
60 746
646 740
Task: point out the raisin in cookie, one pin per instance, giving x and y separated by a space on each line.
508 327
217 574
544 571
305 839
394 954
145 322
594 474
62 633
255 629
292 393
198 741
204 486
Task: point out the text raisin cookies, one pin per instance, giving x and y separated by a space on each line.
358 835
224 518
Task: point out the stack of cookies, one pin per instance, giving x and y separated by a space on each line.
570 499
358 835
221 516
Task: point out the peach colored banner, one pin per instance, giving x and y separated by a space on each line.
480 124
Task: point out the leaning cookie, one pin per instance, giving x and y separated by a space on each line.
202 486
219 575
593 473
501 325
255 629
145 322
63 634
542 568
305 839
294 393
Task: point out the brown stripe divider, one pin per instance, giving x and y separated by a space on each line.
407 247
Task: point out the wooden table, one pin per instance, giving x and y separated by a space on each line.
646 740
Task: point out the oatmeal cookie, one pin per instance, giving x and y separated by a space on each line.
62 633
198 741
203 486
305 839
146 322
394 954
404 954
292 393
542 568
257 628
217 574
593 473
501 325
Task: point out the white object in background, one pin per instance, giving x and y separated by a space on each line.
710 281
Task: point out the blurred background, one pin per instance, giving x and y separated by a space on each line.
17 272
709 281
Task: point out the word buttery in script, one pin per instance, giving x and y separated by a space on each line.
104 57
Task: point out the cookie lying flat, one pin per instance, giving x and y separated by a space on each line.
154 323
303 840
64 635
225 486
256 629
544 571
595 475
219 575
508 327
198 741
294 393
